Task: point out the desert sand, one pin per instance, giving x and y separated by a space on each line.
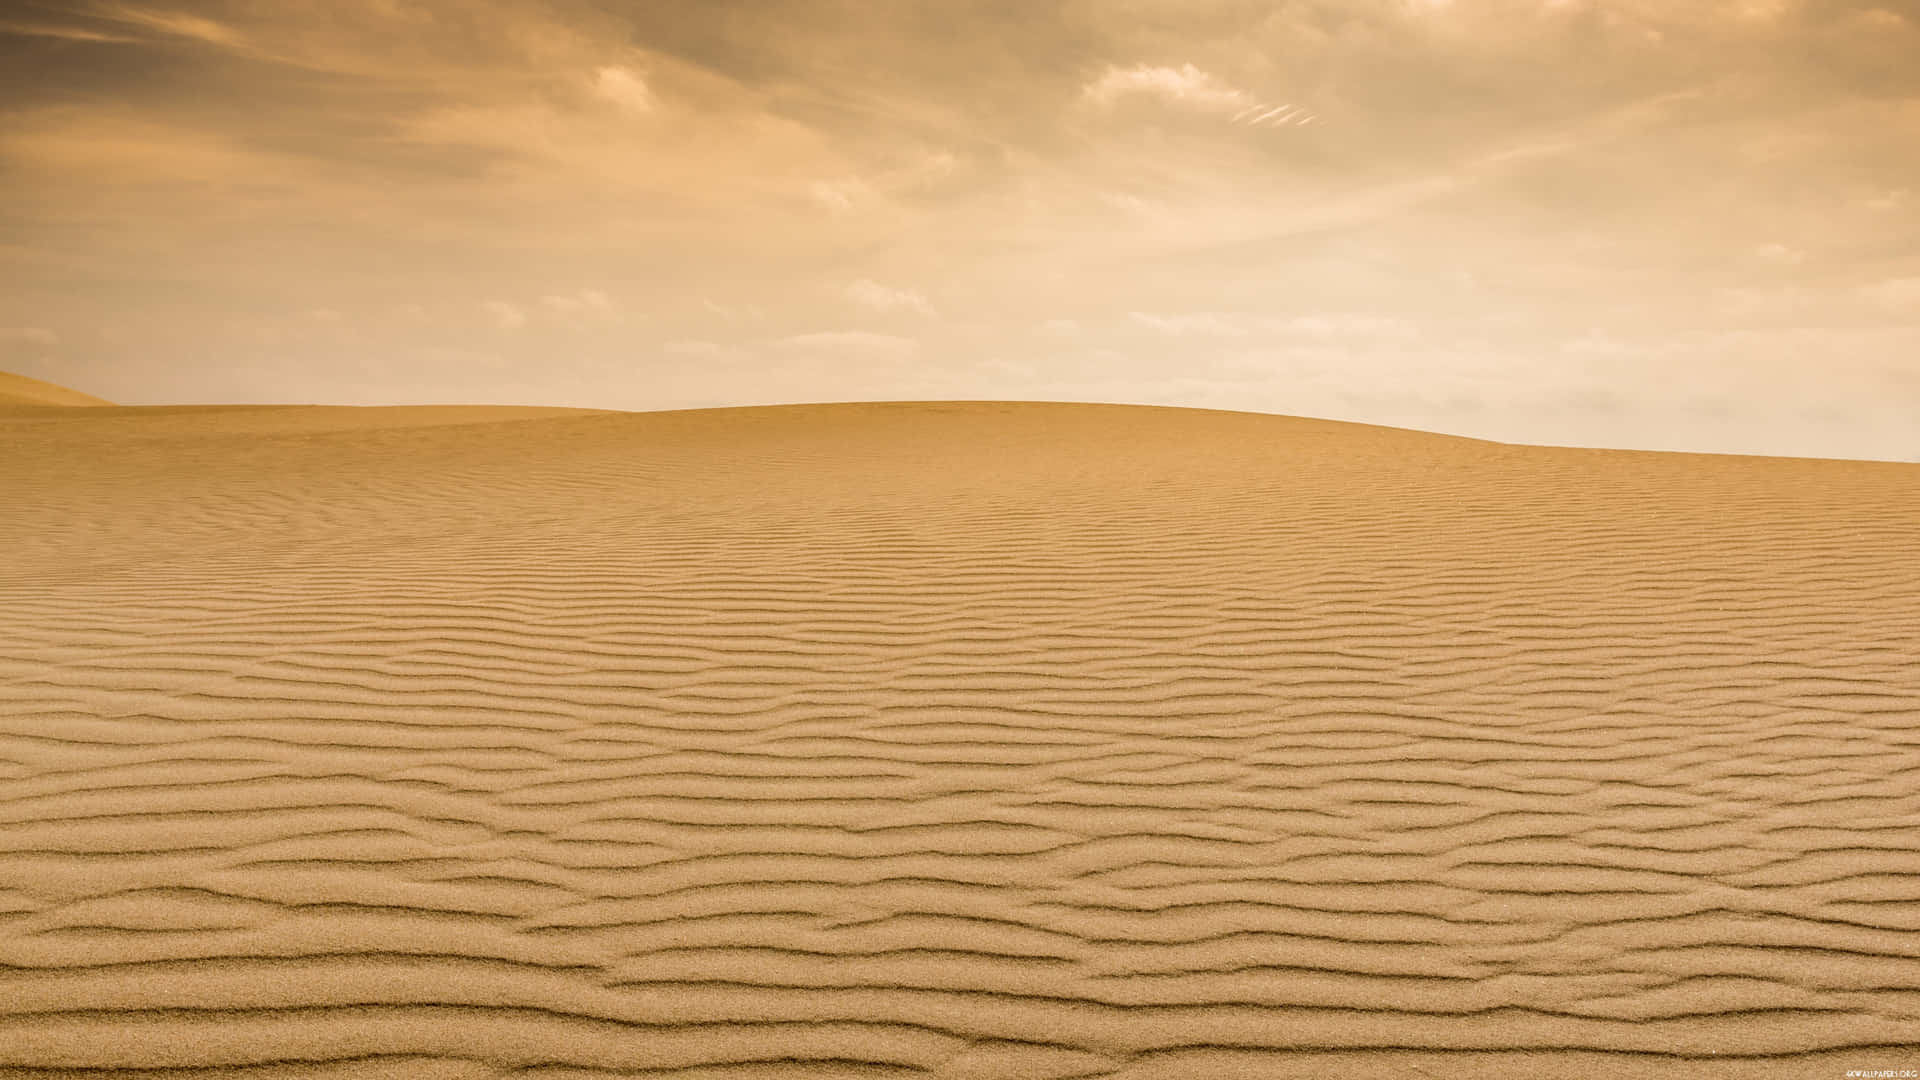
18 390
955 740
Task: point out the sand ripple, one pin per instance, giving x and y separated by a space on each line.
959 740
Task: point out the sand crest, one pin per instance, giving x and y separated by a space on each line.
957 740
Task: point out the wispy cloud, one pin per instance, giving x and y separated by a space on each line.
874 296
1897 294
697 348
733 312
504 315
839 196
624 87
586 300
849 341
1283 115
68 33
1183 85
1194 324
1192 88
176 23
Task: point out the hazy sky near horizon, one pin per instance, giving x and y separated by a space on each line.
1633 223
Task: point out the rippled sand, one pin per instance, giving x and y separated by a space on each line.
969 740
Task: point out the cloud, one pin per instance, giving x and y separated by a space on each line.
697 349
916 172
734 313
111 152
33 335
869 293
1901 294
1335 326
67 33
1196 324
999 366
853 341
624 87
838 196
1347 326
177 23
504 315
1265 115
1192 88
1185 85
586 301
1761 303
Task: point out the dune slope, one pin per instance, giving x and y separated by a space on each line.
19 390
946 740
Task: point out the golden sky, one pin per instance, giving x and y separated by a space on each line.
1640 223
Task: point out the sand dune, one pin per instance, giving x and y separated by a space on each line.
958 740
18 390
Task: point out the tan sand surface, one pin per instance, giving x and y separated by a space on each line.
950 740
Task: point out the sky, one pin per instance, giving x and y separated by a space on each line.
1628 223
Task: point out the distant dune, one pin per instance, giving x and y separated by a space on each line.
20 390
955 740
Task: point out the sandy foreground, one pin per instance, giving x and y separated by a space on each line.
955 740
